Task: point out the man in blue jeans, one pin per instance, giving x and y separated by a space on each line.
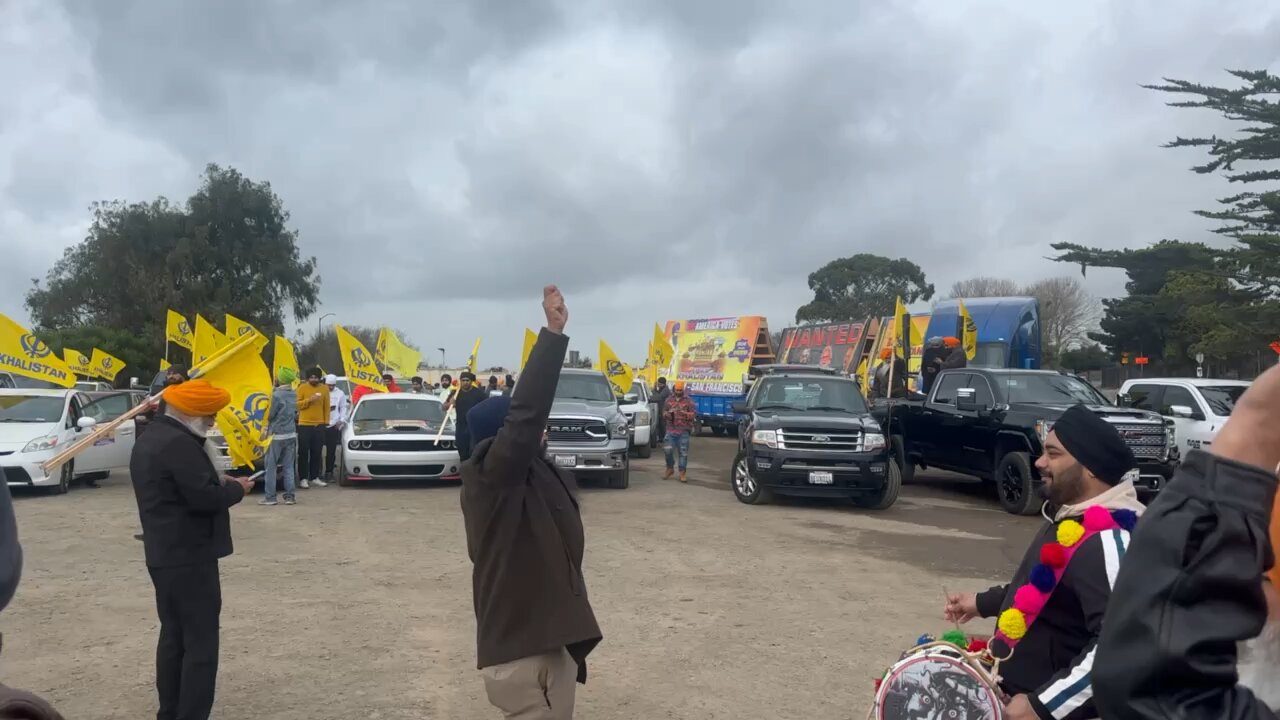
282 422
679 415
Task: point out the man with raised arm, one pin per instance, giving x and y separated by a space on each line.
534 624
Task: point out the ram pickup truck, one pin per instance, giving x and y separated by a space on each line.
992 424
807 431
587 432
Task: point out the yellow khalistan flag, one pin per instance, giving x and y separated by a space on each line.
357 361
77 361
864 376
238 368
105 365
24 354
283 356
475 353
237 327
620 376
394 356
968 333
530 338
164 364
208 340
177 330
660 351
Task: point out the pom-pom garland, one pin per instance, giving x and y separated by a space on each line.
1030 599
955 637
1069 533
977 645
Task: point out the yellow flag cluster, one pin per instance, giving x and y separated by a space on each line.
357 361
620 375
105 365
22 353
208 340
237 367
237 327
178 331
394 356
77 361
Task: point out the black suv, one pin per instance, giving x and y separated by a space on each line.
807 431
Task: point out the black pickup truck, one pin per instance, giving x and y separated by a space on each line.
992 424
807 431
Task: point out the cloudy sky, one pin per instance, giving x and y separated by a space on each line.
655 158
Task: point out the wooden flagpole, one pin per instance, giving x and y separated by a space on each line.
98 431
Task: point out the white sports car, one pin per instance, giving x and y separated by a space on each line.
392 436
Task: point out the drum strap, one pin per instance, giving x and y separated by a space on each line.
1030 599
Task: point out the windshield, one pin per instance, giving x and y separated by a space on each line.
990 355
376 410
1049 390
1222 398
835 394
581 386
30 409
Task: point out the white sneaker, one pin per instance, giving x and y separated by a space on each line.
304 485
319 483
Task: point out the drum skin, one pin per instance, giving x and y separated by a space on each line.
935 683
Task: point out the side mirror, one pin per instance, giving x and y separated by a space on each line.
85 423
967 399
631 398
1181 411
741 408
1124 400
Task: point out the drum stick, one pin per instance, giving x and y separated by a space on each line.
946 600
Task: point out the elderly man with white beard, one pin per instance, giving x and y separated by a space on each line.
1193 627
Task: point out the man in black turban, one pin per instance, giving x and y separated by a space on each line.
1083 467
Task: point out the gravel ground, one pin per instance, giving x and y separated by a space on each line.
356 602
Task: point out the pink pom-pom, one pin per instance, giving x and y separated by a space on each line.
1097 519
1029 600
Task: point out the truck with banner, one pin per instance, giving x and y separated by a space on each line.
713 356
838 346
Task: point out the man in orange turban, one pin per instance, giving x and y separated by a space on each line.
186 529
1193 630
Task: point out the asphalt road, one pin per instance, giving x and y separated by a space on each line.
356 602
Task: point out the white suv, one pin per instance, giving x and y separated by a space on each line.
1198 407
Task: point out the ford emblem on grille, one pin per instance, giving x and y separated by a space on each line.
821 438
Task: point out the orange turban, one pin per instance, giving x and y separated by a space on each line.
197 398
679 386
885 353
951 341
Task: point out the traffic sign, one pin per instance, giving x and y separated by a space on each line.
1124 358
1141 360
1199 358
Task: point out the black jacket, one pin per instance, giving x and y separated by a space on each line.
930 366
524 531
466 400
1052 663
1190 589
181 499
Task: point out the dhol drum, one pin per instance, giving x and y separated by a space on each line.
938 681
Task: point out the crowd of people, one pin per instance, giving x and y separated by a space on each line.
1117 610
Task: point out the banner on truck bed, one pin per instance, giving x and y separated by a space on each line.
712 355
835 345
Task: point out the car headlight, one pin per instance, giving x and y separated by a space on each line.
366 444
1170 434
872 442
768 438
48 442
642 417
353 445
619 428
1043 428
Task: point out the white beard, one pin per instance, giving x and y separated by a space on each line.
1259 665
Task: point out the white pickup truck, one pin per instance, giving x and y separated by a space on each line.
1198 407
642 417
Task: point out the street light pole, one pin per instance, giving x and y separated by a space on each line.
320 323
442 363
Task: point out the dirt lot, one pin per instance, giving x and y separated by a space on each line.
356 603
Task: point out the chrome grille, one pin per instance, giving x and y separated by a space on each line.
1147 441
819 439
406 445
576 431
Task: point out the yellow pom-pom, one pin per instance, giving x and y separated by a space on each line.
1069 533
1013 624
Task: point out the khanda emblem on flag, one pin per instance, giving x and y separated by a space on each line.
253 414
245 330
184 327
34 346
83 360
106 363
359 356
614 367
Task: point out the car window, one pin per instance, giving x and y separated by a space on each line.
30 408
1143 397
1178 395
830 393
583 386
983 397
948 384
107 408
1222 398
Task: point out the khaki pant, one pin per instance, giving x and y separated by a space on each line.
541 687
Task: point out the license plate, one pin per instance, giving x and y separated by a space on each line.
566 461
821 477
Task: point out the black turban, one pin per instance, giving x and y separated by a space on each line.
1095 443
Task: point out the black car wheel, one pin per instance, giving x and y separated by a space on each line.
621 480
644 450
65 476
905 467
887 496
745 486
1016 484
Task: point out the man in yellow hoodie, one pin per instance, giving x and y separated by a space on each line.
313 418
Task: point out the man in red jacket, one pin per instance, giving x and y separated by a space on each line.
388 380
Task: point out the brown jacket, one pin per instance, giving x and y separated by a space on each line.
524 531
